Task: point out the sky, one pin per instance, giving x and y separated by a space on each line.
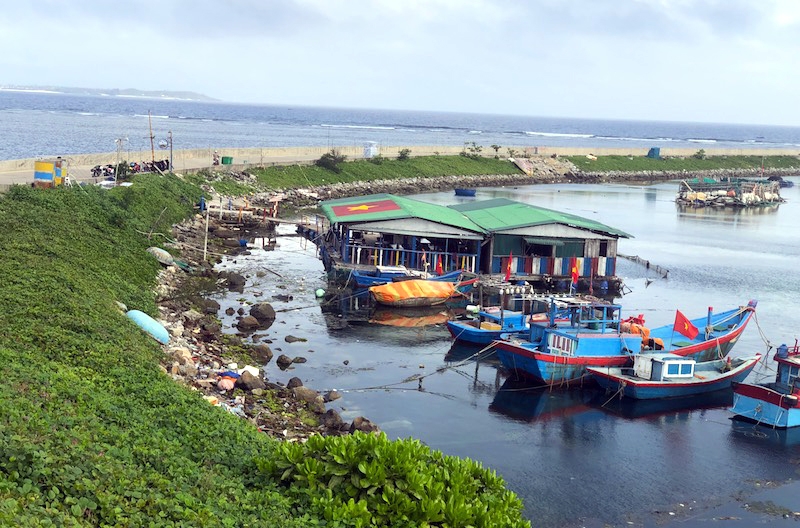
724 61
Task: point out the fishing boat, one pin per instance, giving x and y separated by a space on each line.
703 338
557 354
776 404
492 322
419 292
465 192
386 274
658 409
660 376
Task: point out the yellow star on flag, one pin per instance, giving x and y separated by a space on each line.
363 207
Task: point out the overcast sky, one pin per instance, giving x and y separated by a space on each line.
682 60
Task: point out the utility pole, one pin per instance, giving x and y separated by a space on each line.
171 168
120 144
152 147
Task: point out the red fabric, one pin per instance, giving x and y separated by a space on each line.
364 208
508 266
684 326
573 267
439 268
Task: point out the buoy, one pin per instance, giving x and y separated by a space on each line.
319 293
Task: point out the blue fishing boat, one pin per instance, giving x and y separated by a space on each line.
660 376
557 354
776 404
385 274
716 333
491 323
465 192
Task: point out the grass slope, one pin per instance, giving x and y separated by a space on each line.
641 163
92 433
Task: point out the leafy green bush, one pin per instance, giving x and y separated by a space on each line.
368 480
403 154
330 161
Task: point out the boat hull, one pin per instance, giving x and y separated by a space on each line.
365 280
708 378
765 405
552 369
720 340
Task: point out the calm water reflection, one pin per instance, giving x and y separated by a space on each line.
570 457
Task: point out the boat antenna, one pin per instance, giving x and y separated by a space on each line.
152 147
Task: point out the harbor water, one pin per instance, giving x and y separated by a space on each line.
577 457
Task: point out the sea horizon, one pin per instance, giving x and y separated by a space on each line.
47 124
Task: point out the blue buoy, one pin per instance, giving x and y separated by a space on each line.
149 325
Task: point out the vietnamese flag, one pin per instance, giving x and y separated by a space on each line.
439 268
684 326
573 268
508 266
379 206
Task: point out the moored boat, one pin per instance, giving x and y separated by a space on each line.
702 338
776 404
386 274
557 354
465 192
492 322
418 292
658 376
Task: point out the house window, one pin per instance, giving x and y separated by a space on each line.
603 249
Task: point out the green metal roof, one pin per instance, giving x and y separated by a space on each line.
501 214
376 207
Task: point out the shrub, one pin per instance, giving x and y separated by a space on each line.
403 154
368 480
331 160
377 159
700 154
471 150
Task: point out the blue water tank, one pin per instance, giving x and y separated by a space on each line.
783 351
654 152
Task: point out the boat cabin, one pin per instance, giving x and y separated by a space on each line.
660 367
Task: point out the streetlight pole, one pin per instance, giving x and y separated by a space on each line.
171 167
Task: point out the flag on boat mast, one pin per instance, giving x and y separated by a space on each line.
684 326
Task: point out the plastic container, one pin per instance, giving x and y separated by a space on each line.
227 160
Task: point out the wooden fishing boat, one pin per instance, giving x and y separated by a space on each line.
717 333
776 404
557 354
491 323
659 376
419 292
386 274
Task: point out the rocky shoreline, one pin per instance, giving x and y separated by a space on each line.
228 371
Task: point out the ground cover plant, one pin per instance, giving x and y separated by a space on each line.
698 162
92 431
297 176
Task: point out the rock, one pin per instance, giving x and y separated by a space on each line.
299 359
247 323
362 424
210 306
293 339
346 362
192 316
248 381
182 355
190 370
331 420
294 382
236 282
240 311
230 311
332 395
311 397
262 353
282 297
283 361
176 329
263 312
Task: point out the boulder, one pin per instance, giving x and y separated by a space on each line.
247 323
294 382
263 312
262 353
283 361
363 424
248 381
310 397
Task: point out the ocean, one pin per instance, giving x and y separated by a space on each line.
35 124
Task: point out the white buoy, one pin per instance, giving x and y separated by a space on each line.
319 293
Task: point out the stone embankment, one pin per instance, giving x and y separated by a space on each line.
231 370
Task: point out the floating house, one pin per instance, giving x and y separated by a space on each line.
541 246
729 192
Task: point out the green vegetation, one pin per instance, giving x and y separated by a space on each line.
374 482
698 162
294 176
92 431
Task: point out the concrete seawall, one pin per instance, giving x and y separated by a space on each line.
79 165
